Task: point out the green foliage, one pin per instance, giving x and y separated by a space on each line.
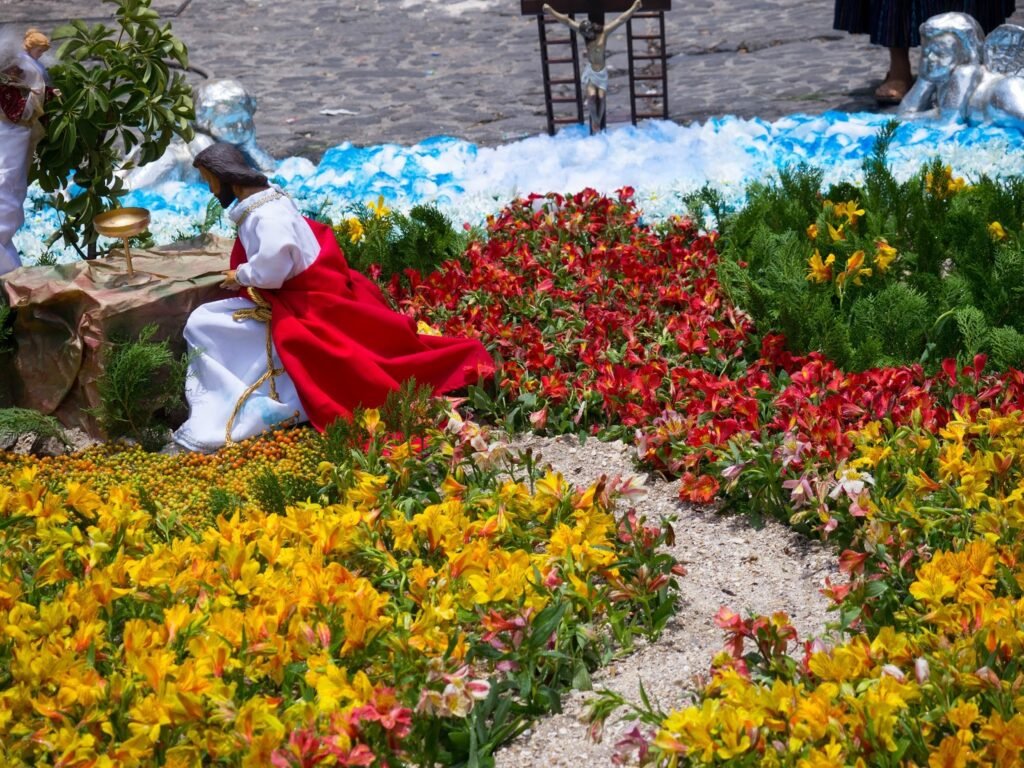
224 503
412 409
1006 348
970 323
882 273
339 439
20 421
275 493
385 243
707 199
214 211
6 331
117 94
141 389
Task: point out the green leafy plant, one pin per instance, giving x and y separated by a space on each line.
385 243
117 94
141 388
882 273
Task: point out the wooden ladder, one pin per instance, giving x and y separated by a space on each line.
657 55
559 50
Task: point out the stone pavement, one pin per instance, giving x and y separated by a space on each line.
410 69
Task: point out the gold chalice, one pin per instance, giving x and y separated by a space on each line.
124 223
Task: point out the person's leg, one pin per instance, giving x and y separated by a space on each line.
898 79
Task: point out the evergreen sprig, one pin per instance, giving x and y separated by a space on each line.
141 387
21 421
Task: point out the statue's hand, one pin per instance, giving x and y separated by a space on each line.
230 283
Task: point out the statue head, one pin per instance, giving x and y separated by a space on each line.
223 167
949 40
36 43
589 30
224 110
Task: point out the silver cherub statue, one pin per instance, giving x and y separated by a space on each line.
966 77
999 97
224 112
950 68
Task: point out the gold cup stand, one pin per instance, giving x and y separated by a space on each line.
123 223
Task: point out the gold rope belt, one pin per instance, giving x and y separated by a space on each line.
261 314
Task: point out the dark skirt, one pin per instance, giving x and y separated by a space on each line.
894 23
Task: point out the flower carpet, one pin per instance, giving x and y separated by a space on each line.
369 598
433 598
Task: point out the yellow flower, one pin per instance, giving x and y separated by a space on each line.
355 229
371 420
379 209
946 185
950 754
365 615
932 587
830 756
844 663
885 254
836 234
963 715
996 231
820 271
812 231
850 210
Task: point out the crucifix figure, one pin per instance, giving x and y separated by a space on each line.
595 76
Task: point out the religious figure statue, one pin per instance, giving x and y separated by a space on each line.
966 77
595 76
224 112
23 93
304 337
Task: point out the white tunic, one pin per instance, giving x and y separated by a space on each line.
16 147
230 355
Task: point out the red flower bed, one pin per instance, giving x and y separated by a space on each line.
598 318
607 325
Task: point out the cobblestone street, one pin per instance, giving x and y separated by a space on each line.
403 70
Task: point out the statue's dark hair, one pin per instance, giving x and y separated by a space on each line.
589 30
227 163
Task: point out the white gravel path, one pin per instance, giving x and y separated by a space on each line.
729 562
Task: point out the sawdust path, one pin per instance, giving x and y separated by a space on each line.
729 562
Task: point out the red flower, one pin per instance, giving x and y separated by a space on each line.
698 489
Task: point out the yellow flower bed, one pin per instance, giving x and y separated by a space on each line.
364 626
934 676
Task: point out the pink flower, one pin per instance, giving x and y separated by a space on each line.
800 491
921 670
539 419
891 670
632 743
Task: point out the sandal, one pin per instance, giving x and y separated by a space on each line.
892 91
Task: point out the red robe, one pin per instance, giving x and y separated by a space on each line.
344 347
